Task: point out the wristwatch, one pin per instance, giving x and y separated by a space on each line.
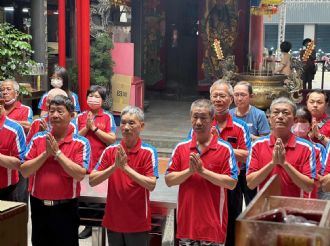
95 130
57 154
320 137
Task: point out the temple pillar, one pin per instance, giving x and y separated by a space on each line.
61 33
256 41
39 34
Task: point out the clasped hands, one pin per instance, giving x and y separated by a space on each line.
195 163
51 145
279 153
90 121
121 158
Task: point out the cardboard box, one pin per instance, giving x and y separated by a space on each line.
13 223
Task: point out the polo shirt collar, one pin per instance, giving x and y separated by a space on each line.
69 135
99 113
135 149
212 145
229 122
291 143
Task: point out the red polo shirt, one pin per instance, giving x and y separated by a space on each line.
51 182
12 144
128 205
35 128
202 206
236 132
105 122
21 112
299 153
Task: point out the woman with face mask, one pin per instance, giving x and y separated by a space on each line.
301 128
99 127
59 79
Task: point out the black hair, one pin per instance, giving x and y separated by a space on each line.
63 74
285 46
304 113
318 91
306 41
98 88
62 100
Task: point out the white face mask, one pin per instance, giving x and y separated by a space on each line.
56 83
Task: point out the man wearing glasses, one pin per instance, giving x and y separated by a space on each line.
237 133
282 153
255 119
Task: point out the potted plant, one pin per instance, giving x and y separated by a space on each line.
15 53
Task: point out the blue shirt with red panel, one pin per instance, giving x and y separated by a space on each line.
128 203
12 144
102 120
202 206
326 164
50 181
299 153
21 112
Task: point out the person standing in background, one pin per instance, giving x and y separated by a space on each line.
308 57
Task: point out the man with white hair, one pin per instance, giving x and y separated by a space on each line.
237 133
131 168
282 153
12 148
15 110
23 115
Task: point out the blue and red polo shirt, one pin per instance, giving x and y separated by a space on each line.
12 144
21 112
102 120
50 181
326 164
128 204
202 206
300 154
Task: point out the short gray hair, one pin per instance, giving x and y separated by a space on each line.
247 84
133 110
223 82
14 82
284 100
203 103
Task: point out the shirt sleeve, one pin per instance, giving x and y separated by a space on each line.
42 101
20 143
31 150
152 163
229 163
244 140
263 126
33 130
107 159
252 164
326 163
111 124
83 153
76 102
309 163
30 115
174 164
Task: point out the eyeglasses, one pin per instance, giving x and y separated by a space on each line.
221 96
